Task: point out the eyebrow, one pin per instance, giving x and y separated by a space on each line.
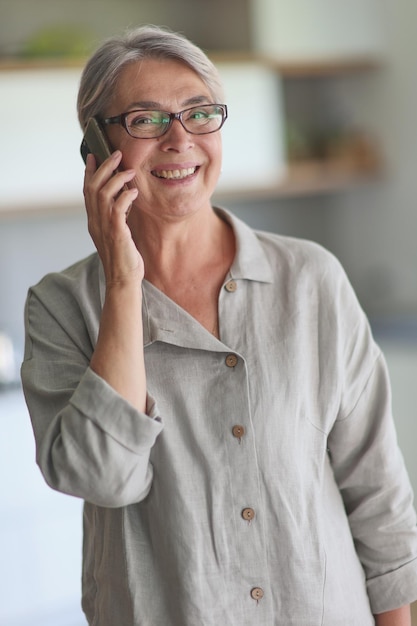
151 104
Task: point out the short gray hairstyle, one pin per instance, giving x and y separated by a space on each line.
103 69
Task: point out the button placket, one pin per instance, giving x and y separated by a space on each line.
249 540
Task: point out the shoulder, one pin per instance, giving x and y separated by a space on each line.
74 277
310 271
75 287
296 255
306 268
280 257
281 249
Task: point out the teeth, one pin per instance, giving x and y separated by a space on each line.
183 173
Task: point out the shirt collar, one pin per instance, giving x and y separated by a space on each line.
250 262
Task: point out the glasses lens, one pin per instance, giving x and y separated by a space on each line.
203 119
147 124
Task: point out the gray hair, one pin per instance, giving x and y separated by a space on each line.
103 69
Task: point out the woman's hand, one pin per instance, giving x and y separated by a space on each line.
118 355
108 201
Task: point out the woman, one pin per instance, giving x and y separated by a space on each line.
212 393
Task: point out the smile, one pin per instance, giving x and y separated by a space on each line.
175 174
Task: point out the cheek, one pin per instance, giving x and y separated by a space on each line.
217 153
131 148
213 148
135 153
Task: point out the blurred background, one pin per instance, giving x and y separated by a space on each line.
335 162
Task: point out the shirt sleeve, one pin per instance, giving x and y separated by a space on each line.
370 470
90 442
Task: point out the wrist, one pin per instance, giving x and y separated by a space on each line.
397 617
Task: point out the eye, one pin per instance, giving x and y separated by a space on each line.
139 119
199 114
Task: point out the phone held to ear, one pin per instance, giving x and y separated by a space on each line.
95 141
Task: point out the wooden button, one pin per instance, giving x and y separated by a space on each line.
257 593
238 431
231 286
231 360
248 514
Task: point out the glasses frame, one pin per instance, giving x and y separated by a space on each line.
121 119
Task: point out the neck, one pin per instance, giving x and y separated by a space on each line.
182 247
188 261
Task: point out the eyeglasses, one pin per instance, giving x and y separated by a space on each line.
198 120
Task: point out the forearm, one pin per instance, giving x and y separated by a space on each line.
397 617
118 357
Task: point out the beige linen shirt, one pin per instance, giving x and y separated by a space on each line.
264 485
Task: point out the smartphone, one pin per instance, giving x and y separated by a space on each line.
95 141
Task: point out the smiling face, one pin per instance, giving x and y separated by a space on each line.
176 174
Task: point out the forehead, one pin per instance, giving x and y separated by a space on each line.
163 82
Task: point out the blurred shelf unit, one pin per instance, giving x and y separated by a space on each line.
307 178
305 68
294 151
308 138
323 146
321 53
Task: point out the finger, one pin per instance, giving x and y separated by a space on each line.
113 188
103 185
123 205
90 168
100 174
90 164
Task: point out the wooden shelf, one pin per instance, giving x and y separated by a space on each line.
306 179
21 64
301 67
302 179
315 177
296 68
41 208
